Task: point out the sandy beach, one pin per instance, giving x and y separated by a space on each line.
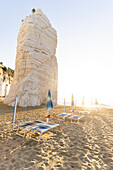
87 145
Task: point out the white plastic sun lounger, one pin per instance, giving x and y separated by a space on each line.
64 115
87 112
42 128
82 112
76 117
78 111
24 127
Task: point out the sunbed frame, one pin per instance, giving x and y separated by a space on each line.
76 117
24 127
37 126
42 128
64 115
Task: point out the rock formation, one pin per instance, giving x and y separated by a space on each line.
36 68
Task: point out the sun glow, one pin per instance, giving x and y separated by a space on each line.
86 81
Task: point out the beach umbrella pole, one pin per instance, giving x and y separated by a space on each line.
64 106
75 104
15 106
72 103
48 118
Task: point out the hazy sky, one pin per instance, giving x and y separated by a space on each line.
85 42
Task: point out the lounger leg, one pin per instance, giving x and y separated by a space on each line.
17 130
34 138
40 137
17 133
74 122
60 119
31 134
24 133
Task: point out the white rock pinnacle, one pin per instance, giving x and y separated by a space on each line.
36 68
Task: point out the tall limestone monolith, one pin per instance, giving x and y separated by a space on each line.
36 68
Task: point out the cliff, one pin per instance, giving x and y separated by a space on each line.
36 68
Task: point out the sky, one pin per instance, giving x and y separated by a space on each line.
84 48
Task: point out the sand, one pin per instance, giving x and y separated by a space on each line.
87 145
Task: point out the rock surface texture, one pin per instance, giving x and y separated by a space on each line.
36 68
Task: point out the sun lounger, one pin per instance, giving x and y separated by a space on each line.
64 115
24 127
82 112
87 112
78 111
40 129
76 117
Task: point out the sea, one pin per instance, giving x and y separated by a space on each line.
106 103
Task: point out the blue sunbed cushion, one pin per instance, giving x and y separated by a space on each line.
41 127
51 123
63 114
86 112
37 121
77 111
30 123
27 124
77 116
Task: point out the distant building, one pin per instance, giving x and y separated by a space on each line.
6 78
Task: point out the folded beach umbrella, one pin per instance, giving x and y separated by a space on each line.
64 106
83 101
75 104
49 101
92 101
72 102
96 102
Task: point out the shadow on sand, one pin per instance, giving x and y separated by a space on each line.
9 109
